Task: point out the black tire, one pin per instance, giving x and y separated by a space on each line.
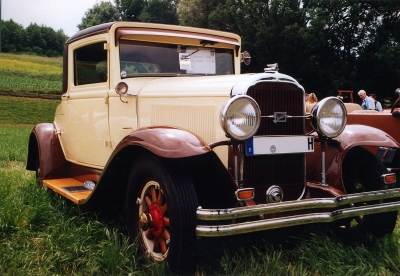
170 199
361 173
37 171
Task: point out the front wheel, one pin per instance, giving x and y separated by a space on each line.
361 173
161 209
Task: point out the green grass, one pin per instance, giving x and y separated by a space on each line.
27 73
26 111
41 235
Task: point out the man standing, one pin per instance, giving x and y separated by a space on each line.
378 106
367 103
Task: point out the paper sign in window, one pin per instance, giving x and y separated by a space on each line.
196 61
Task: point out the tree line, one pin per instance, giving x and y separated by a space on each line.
327 45
35 39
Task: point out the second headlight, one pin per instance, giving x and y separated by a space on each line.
240 117
329 117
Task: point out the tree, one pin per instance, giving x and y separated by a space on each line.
196 13
35 39
130 9
13 37
102 12
159 11
325 44
363 41
40 40
155 11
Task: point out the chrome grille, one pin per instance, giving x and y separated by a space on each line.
286 170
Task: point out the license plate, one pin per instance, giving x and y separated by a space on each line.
258 145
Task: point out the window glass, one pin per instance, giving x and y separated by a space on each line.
138 58
91 64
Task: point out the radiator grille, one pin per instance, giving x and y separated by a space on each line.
286 170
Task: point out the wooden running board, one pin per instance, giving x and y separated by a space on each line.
70 188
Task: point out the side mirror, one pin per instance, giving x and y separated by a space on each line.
245 57
121 88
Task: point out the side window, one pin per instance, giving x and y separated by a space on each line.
90 64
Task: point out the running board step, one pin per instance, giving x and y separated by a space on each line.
71 188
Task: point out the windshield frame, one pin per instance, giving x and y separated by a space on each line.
148 58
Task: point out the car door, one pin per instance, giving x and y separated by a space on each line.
86 137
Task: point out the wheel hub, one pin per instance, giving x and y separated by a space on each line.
154 220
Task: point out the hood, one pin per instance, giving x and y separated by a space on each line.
229 85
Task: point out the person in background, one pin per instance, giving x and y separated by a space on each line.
378 106
367 102
312 99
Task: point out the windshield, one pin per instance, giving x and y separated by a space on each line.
144 58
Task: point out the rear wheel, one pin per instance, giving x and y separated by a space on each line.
161 210
37 171
361 173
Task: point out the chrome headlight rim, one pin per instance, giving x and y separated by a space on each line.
254 115
322 111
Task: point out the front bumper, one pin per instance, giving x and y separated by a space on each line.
333 204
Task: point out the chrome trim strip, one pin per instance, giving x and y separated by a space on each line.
267 224
280 207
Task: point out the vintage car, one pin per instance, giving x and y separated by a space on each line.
157 124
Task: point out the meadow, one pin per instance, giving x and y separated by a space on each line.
43 234
30 74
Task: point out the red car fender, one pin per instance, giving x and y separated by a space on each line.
168 142
336 150
45 147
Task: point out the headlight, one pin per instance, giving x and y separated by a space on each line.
329 117
240 117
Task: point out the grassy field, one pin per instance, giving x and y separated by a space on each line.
26 111
42 234
27 73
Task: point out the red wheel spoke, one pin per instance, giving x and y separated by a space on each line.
149 235
163 245
148 201
165 234
164 208
160 198
153 195
156 247
166 221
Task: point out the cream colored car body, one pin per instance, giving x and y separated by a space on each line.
88 136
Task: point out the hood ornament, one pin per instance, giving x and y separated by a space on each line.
271 67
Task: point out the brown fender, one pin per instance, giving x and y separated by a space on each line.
168 142
352 136
44 147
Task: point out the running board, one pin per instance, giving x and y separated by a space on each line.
75 190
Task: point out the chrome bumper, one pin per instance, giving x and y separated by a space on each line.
290 206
